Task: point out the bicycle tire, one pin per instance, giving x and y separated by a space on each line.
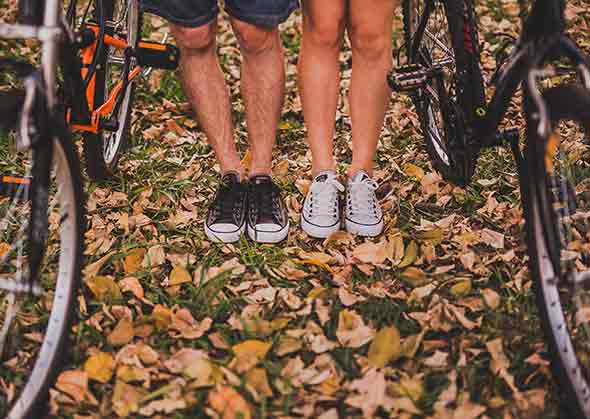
545 245
103 150
461 98
30 400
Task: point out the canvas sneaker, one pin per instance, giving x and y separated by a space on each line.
226 217
320 216
267 217
363 213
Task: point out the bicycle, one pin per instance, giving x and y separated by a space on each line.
85 83
446 85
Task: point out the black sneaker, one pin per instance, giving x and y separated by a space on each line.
226 218
267 216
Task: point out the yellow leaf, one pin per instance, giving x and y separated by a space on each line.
247 160
162 317
352 331
126 398
461 288
410 255
229 403
249 353
411 344
99 367
258 379
288 345
410 387
434 236
385 347
104 288
130 373
414 277
202 371
285 125
413 171
122 333
280 323
133 260
178 276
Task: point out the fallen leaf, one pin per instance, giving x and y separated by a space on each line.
126 398
410 255
122 333
178 276
229 403
74 383
258 380
491 298
385 347
133 260
99 367
352 331
104 288
249 353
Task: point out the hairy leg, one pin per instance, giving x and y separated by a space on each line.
263 89
319 75
205 87
369 29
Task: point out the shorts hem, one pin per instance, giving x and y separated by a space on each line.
189 23
263 20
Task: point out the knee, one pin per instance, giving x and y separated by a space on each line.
254 39
194 40
324 34
371 44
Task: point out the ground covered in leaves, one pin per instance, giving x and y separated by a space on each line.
435 318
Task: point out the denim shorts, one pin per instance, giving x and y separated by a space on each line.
193 13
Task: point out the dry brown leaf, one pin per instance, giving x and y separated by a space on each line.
229 403
187 327
410 255
122 333
491 298
258 380
352 331
74 383
162 316
368 252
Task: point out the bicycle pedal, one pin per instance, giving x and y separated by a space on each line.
157 55
12 186
408 78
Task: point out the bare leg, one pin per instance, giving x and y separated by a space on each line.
206 90
263 88
369 29
319 76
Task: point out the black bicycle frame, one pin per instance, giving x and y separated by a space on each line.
542 38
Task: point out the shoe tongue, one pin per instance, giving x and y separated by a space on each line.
323 176
360 176
231 178
260 179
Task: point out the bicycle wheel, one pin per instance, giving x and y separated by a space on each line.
454 98
102 151
37 286
556 200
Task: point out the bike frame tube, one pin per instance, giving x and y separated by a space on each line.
49 52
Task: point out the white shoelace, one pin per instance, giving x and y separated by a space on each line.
362 200
323 199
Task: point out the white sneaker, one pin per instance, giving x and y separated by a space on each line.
321 210
363 212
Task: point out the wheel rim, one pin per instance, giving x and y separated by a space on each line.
436 47
564 265
126 23
63 229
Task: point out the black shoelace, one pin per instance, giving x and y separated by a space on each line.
226 202
265 200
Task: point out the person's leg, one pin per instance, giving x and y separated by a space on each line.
205 87
319 75
369 29
262 87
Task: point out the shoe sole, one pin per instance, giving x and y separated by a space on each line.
316 231
271 237
219 237
363 229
